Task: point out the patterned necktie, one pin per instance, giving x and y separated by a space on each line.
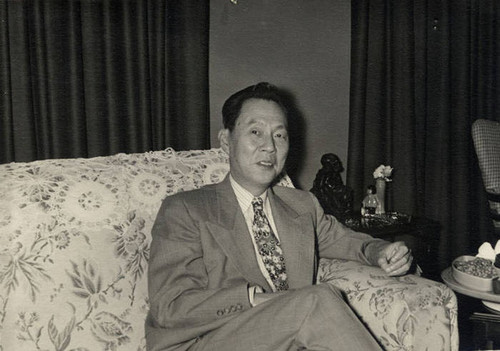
269 246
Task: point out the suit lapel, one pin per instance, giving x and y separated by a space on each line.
297 240
232 235
294 230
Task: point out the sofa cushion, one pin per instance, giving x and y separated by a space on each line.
404 313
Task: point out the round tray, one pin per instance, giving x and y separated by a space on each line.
492 306
448 278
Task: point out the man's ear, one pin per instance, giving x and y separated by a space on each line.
224 140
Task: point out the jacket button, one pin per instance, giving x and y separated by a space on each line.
239 307
220 312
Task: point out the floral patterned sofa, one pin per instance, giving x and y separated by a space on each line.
74 248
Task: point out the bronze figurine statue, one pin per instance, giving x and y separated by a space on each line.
335 197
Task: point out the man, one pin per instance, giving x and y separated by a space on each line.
233 265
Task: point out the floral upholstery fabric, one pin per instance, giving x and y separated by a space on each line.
74 247
404 313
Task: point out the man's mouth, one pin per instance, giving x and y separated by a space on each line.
265 163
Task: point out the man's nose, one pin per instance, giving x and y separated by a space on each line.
268 144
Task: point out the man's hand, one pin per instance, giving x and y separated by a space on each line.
395 258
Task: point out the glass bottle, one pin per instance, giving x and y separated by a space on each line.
370 202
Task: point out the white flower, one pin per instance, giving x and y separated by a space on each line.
383 172
487 251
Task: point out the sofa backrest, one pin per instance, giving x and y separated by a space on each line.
74 245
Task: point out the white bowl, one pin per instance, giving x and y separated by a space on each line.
469 280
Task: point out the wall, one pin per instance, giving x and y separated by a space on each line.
302 46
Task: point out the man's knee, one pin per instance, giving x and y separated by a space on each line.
324 292
330 290
318 296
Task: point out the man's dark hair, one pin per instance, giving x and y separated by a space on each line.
265 91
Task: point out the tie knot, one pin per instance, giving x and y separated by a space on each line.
257 203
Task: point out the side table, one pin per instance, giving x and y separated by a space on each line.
420 234
479 329
486 331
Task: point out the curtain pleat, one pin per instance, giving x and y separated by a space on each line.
422 72
182 80
88 78
385 97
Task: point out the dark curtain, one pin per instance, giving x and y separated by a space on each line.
97 77
422 72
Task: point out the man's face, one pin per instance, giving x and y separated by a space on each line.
258 144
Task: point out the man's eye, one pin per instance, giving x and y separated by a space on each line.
255 132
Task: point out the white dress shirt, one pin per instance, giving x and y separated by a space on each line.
245 198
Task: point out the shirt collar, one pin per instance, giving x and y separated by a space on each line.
244 196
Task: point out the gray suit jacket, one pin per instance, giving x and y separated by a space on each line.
203 260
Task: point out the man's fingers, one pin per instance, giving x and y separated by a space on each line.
398 265
398 253
403 269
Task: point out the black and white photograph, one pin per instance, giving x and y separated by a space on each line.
249 175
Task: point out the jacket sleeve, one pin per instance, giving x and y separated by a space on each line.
335 240
178 281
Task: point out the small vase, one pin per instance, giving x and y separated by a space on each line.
380 186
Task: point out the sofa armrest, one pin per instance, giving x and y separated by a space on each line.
403 313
